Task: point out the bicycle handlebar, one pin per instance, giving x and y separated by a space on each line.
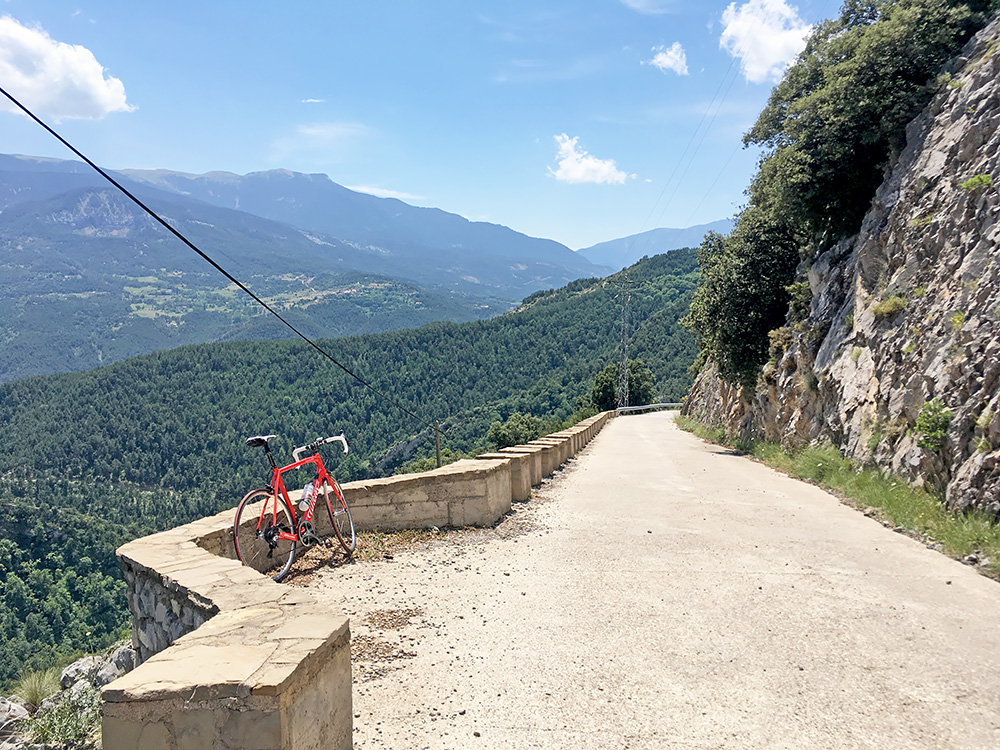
321 441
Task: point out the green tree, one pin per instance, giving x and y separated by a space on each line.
743 294
517 430
831 128
838 117
641 386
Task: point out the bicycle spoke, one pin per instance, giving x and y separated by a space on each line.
263 546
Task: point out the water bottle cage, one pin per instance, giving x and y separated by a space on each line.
309 495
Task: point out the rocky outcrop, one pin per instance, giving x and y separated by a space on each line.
905 316
75 709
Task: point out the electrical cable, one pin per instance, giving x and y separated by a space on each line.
748 41
206 257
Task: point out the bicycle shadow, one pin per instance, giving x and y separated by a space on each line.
315 560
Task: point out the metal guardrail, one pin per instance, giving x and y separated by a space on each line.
630 409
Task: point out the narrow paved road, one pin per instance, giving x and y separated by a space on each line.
662 592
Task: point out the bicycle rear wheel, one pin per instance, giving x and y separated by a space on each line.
259 519
340 516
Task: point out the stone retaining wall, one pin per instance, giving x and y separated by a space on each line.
253 663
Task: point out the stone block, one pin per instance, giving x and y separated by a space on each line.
532 455
520 473
319 710
549 456
252 730
196 728
560 450
134 733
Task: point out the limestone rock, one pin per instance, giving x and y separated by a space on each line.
82 669
11 710
931 238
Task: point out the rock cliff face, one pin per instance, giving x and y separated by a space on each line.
905 313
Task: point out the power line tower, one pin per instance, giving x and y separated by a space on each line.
625 296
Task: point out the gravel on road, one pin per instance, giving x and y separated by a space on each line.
662 592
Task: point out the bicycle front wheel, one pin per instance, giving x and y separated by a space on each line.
340 516
259 519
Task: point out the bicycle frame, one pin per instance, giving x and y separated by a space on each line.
277 485
277 524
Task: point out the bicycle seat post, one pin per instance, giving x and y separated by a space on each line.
270 458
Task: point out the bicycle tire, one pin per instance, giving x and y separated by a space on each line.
252 548
340 517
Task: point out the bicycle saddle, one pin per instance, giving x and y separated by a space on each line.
259 441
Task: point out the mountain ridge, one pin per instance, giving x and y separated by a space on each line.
364 218
625 251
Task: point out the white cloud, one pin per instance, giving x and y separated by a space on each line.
766 36
51 78
650 7
384 192
313 101
670 58
579 166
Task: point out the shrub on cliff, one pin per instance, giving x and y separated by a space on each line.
838 117
932 425
743 294
830 129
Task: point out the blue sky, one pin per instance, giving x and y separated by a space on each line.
577 121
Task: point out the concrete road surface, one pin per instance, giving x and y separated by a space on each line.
662 592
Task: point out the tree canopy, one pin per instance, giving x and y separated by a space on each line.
831 128
641 386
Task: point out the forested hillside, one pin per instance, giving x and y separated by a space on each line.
92 459
87 278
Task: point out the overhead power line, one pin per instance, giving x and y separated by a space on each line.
700 135
625 294
205 255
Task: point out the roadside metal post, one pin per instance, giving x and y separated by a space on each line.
437 442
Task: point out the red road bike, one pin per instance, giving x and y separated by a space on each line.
267 530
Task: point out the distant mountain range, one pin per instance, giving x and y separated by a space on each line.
314 202
87 278
374 235
618 254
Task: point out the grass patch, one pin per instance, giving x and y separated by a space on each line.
36 686
979 181
889 307
894 501
74 722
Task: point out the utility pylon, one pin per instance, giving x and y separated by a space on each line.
625 296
